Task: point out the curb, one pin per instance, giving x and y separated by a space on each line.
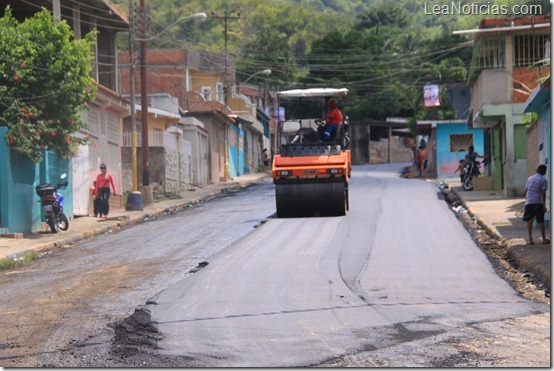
130 220
491 230
516 252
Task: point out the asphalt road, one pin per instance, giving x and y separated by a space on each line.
396 283
296 292
58 310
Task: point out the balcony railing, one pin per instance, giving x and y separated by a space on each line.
156 139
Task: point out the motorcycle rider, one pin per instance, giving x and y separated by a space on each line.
471 158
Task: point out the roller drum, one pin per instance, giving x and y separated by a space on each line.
304 199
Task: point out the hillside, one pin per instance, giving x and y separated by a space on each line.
382 50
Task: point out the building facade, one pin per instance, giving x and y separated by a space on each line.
506 66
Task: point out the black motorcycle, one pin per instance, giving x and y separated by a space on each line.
471 170
52 204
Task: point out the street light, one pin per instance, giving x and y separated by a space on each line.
199 16
266 72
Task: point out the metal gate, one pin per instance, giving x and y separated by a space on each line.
186 161
81 183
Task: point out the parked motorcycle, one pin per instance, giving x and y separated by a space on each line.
52 204
471 170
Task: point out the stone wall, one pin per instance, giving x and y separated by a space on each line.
366 151
156 166
399 152
359 138
172 160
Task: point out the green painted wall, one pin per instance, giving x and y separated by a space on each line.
520 142
20 210
497 159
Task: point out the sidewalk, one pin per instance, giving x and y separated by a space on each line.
88 226
501 218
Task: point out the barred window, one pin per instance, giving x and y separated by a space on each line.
460 142
492 54
158 137
530 49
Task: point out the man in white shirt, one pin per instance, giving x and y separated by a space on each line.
535 202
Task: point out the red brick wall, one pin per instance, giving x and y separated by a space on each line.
524 78
166 71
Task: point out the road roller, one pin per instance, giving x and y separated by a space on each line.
311 174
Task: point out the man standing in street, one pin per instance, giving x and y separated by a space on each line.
535 202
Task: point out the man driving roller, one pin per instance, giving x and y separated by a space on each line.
333 120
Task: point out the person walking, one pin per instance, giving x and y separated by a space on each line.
535 202
265 159
96 201
423 161
431 158
103 182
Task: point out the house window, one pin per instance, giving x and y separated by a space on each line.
220 93
530 49
460 142
207 92
492 54
158 138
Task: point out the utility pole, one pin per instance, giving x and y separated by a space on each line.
144 97
134 199
134 182
226 18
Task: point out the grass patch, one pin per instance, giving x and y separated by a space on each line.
10 263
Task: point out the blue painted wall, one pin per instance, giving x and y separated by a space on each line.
236 151
242 168
233 151
545 147
20 210
447 162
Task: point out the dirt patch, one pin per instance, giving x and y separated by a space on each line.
53 323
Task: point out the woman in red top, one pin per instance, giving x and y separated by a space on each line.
103 182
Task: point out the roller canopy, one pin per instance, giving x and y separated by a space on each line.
315 92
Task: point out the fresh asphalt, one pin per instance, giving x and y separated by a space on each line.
301 291
499 216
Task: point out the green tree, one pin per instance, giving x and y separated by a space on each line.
356 60
44 83
383 13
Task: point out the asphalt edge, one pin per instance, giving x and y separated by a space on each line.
515 250
128 221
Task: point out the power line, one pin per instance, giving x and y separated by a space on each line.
81 20
226 18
